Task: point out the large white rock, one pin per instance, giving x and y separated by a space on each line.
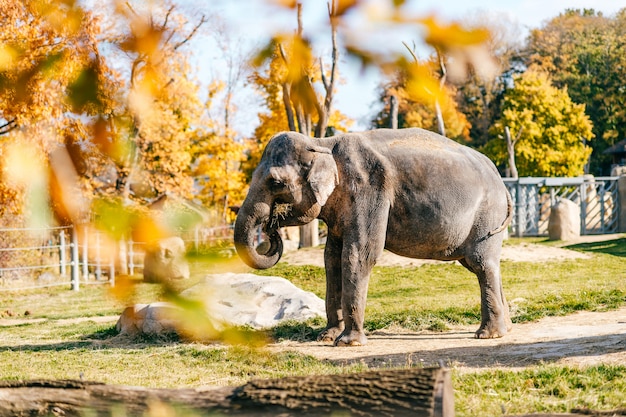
255 301
230 300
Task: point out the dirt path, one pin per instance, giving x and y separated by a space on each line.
584 338
525 252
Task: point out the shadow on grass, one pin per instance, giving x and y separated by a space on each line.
297 331
501 354
106 338
615 247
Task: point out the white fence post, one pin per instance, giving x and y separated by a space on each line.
112 269
131 258
62 253
98 272
75 261
86 253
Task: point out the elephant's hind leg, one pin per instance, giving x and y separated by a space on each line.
494 309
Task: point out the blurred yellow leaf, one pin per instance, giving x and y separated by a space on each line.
421 85
63 15
25 166
445 37
146 229
144 39
8 57
465 48
300 58
124 287
344 5
23 163
286 3
67 198
265 53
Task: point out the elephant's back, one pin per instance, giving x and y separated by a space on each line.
421 147
414 139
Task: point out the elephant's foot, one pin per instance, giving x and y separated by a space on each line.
493 331
329 334
352 338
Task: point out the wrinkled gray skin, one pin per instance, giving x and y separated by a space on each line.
410 191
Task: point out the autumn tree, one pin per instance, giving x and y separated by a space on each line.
583 51
419 109
479 98
160 106
53 81
552 130
217 157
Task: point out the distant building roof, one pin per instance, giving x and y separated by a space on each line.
619 147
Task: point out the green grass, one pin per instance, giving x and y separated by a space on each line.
434 297
540 389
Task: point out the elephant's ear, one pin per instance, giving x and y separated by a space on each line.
323 176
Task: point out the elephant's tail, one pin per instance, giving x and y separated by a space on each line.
509 215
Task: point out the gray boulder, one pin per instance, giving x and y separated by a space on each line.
564 221
155 319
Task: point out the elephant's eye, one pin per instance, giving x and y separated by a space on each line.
276 185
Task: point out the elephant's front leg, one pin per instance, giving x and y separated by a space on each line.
332 261
360 251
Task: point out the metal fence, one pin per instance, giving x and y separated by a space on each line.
38 258
36 255
534 197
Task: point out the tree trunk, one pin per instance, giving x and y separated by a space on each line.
404 392
510 148
440 124
393 112
310 234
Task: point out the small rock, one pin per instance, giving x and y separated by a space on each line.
166 261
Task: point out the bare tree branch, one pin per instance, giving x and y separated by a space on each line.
131 8
411 51
167 17
8 126
442 65
329 84
203 20
283 55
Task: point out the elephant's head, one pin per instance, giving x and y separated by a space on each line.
290 185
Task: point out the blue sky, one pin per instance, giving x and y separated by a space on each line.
252 21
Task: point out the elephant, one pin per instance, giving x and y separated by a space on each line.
410 191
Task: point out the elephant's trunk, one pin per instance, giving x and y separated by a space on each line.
250 216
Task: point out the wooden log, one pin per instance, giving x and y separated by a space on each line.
403 392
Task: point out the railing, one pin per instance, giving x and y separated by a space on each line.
39 258
534 197
33 251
